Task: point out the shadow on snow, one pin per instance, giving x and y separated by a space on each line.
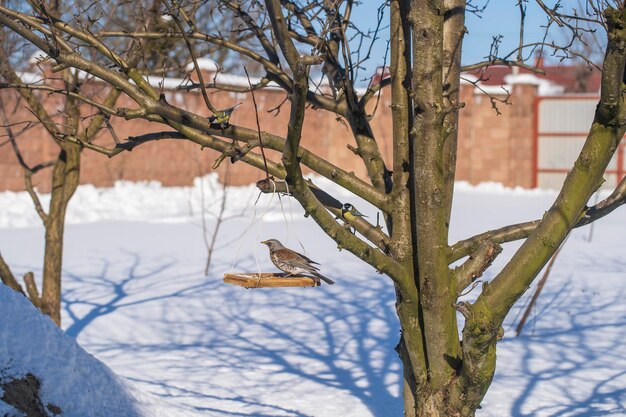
571 352
273 338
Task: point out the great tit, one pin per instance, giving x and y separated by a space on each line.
350 213
222 117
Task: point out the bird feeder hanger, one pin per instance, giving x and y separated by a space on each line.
268 279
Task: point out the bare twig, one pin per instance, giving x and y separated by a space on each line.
540 285
553 15
27 170
8 278
219 220
183 32
31 288
477 263
522 230
258 124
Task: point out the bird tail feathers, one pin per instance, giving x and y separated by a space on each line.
323 278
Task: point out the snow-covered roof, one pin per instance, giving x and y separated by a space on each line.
167 83
204 64
493 90
468 79
545 87
237 80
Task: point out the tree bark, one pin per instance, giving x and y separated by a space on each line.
65 179
436 286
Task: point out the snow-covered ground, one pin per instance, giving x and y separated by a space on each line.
136 298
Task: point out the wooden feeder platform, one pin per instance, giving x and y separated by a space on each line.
268 280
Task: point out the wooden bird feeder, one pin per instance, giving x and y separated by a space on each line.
268 280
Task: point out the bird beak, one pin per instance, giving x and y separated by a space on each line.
264 242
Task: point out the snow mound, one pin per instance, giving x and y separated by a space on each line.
72 379
128 201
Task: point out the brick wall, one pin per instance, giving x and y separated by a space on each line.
497 147
491 147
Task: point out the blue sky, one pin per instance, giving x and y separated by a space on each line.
501 17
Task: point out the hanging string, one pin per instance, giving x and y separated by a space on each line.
282 209
259 222
258 125
258 234
249 228
291 216
267 175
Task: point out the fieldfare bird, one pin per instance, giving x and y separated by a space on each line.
350 213
292 262
222 117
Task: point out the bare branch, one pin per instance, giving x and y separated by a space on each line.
608 129
301 191
523 230
8 278
281 32
31 288
227 87
372 233
508 63
478 262
193 58
61 91
28 171
553 15
258 124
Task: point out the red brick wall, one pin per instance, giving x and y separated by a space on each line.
497 147
491 147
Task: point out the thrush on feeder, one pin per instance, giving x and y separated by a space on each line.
292 262
222 117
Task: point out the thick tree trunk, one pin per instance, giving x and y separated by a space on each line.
53 256
411 352
65 179
425 402
428 403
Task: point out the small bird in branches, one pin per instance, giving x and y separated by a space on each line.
292 262
350 213
222 117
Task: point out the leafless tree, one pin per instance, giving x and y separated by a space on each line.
65 167
445 373
155 56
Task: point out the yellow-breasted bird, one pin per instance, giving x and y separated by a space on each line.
350 213
222 117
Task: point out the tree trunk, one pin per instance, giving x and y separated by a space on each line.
423 395
65 179
426 403
411 353
51 292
